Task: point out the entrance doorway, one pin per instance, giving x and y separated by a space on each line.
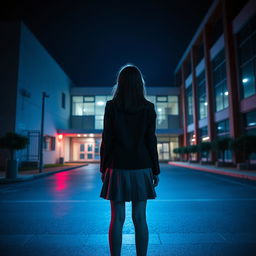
163 149
83 149
86 151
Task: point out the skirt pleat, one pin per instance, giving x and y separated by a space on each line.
128 185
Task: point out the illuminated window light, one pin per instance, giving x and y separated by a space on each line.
245 80
100 103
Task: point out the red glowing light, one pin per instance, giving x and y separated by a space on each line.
60 137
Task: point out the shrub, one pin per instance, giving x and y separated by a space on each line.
221 144
205 147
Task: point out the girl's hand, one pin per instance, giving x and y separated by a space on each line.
155 180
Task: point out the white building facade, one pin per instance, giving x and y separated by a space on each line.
81 142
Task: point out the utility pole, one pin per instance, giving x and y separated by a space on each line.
44 95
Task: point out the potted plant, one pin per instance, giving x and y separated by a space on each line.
12 142
205 147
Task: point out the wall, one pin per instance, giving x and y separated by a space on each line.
39 72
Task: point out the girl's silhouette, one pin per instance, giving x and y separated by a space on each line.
129 159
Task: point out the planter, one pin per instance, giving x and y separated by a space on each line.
224 164
245 166
193 161
12 169
207 163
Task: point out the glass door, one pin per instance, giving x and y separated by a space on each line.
86 151
163 150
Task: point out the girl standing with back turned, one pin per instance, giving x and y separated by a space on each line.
129 158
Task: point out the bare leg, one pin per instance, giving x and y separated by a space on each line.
141 227
116 227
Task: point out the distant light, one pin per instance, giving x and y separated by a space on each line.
251 123
85 135
91 135
193 140
78 135
245 80
206 103
226 93
60 137
100 103
159 109
84 109
206 138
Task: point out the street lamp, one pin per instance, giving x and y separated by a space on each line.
44 95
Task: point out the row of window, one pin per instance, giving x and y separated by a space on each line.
201 93
222 128
246 46
246 42
86 106
219 85
95 105
220 81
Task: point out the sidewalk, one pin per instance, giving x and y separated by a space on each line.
34 174
233 172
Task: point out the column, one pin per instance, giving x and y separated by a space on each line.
232 81
195 97
209 87
183 104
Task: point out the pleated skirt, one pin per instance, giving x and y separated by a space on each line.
128 185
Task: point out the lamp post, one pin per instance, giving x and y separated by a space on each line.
44 95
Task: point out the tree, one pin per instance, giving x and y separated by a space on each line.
221 144
184 150
246 145
176 151
205 147
12 142
192 149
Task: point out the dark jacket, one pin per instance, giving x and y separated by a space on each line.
128 138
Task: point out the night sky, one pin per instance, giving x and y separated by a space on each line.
91 40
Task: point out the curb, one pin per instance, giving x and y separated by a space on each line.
36 176
232 174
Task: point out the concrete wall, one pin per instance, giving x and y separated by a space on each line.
26 70
9 48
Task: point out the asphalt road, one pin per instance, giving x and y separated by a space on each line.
195 213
